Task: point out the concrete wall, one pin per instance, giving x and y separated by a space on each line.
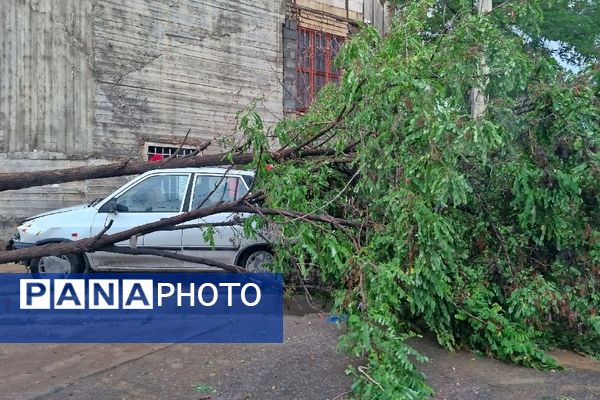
83 76
46 83
87 81
17 204
165 66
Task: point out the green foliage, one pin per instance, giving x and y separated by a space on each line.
484 231
568 29
574 23
208 235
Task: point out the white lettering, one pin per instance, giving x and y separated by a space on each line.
215 294
243 294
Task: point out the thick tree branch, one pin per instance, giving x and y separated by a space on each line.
173 255
14 181
96 243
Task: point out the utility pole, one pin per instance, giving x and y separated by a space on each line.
477 97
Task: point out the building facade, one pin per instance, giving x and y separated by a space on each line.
87 81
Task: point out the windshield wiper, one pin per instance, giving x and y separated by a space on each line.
95 201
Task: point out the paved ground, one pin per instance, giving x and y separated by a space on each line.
305 366
465 376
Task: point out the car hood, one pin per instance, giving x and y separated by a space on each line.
59 211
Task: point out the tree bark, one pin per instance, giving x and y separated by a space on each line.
484 6
14 181
477 97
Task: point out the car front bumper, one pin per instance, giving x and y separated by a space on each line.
16 245
21 245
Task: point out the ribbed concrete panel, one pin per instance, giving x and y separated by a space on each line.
165 67
85 76
46 83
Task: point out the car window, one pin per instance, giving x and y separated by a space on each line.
249 180
212 190
160 193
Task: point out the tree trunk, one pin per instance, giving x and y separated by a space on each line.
484 6
14 181
477 96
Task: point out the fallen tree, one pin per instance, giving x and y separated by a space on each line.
482 228
484 231
105 242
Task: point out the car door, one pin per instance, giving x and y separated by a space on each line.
150 199
209 190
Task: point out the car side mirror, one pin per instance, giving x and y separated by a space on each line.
112 206
109 206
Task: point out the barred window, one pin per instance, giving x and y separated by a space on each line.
167 151
316 52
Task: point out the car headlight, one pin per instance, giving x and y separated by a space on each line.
17 236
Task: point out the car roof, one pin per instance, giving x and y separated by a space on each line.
204 170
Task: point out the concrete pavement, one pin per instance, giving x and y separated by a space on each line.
305 366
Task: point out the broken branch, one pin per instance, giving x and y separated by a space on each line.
97 243
15 181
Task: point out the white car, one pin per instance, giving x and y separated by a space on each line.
150 197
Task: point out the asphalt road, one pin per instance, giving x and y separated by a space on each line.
305 366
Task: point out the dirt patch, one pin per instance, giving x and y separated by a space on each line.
572 360
464 375
12 268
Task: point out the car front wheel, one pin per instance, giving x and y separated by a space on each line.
65 264
253 261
